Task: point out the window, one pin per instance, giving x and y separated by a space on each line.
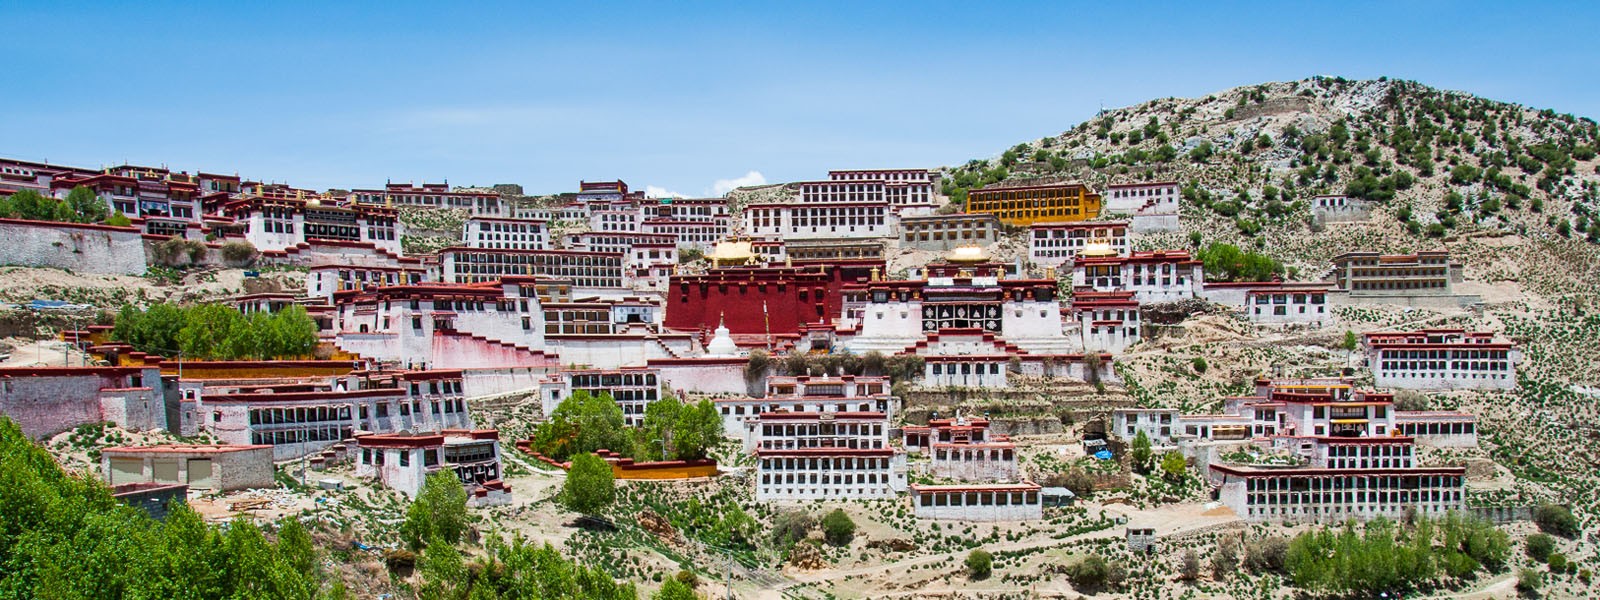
405 458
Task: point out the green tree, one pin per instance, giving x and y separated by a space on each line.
438 512
1141 453
698 429
89 208
653 439
590 486
581 424
1173 466
673 589
838 528
979 564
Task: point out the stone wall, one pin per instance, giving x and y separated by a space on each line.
75 247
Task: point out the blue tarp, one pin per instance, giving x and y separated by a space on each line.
1103 455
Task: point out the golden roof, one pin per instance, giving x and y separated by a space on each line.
732 253
967 254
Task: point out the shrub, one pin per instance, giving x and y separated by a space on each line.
1090 572
1539 546
1267 554
1189 568
1199 364
400 562
1410 400
791 526
1556 519
1558 563
979 564
1226 559
1529 580
238 252
838 528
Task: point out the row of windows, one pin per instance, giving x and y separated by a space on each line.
852 463
1352 482
972 454
1359 497
978 498
1420 429
966 368
1440 365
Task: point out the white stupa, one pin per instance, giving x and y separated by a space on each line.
722 342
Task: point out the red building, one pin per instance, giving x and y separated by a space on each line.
763 304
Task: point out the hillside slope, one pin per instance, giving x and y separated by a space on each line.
1509 190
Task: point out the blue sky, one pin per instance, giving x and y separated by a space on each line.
680 95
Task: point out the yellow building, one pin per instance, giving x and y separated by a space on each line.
1023 206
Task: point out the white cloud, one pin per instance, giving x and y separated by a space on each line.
651 191
723 186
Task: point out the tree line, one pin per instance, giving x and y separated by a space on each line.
64 536
80 206
672 430
216 332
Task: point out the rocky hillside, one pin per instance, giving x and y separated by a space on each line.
1510 191
1447 169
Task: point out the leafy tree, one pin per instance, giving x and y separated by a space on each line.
697 430
590 486
1141 452
438 513
28 204
1173 466
581 424
979 564
1199 365
88 207
673 589
653 438
119 220
1225 262
838 528
63 536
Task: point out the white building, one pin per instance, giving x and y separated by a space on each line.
1335 209
819 220
519 234
1288 304
432 195
1052 244
987 502
1158 276
827 456
1107 321
1136 198
1441 359
276 224
633 389
846 393
403 461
